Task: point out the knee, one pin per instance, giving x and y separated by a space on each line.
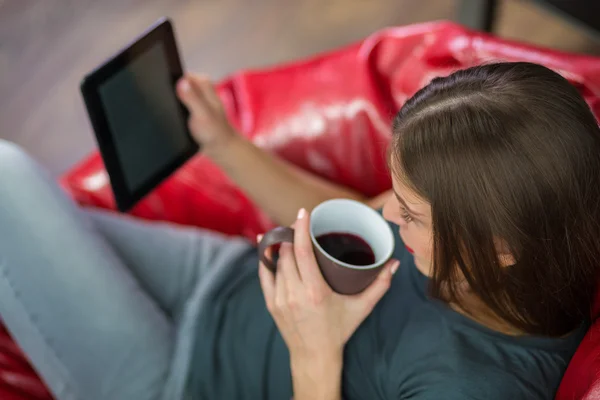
11 154
14 160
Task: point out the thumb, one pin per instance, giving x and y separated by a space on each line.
372 294
204 85
190 97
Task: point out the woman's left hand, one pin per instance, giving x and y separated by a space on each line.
314 321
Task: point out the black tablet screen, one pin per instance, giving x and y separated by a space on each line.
143 114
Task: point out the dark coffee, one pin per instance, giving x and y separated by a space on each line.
347 248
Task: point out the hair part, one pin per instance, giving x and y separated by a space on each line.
507 152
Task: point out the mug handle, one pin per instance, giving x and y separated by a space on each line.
281 234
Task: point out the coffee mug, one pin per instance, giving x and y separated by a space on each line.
351 241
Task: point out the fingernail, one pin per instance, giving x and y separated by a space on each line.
301 213
394 267
185 85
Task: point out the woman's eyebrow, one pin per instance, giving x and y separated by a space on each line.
405 205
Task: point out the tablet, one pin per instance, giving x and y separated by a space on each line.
139 123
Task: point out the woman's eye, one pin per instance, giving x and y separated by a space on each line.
406 216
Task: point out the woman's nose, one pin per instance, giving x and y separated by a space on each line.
392 213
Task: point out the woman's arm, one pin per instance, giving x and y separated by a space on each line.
276 186
313 320
319 378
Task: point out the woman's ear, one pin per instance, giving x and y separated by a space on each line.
507 260
505 256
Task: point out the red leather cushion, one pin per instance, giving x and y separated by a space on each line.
582 378
331 115
18 381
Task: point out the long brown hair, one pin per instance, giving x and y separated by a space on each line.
509 153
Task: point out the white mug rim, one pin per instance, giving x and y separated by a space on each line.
375 214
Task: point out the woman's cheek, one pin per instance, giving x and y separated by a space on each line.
426 247
410 240
415 240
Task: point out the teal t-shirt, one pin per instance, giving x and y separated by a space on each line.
410 347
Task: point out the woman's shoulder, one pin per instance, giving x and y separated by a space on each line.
469 364
414 345
431 361
479 386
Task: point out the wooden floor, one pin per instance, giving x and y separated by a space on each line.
46 46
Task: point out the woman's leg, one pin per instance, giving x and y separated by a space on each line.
172 264
87 325
167 259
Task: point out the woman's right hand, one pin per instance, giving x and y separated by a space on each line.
208 121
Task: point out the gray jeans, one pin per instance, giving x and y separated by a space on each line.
94 299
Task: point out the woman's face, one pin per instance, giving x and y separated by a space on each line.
413 215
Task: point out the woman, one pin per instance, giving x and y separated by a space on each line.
495 203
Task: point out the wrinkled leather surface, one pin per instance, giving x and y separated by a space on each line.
330 115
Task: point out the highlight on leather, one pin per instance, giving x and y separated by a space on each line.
332 119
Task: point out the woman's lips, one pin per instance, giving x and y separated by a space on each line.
411 251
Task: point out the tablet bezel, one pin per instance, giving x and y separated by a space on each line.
161 31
